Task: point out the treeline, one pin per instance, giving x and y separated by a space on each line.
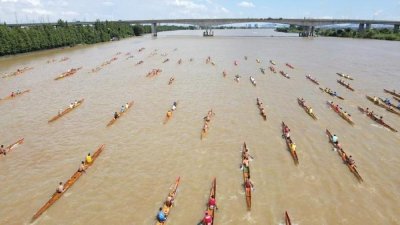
14 40
169 28
381 34
290 29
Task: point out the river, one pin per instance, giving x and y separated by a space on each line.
143 157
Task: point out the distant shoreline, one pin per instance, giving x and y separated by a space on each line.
374 34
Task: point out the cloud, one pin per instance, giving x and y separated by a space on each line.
31 2
246 4
57 3
378 12
69 13
223 9
108 3
188 5
37 11
34 2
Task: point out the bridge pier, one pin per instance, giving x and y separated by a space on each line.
396 28
208 33
154 29
368 26
307 31
361 27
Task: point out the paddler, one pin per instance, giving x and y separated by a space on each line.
207 220
310 110
212 202
211 113
205 127
173 108
335 139
122 109
286 131
161 217
126 105
170 200
248 183
12 94
338 145
60 188
293 147
3 150
71 105
245 163
116 115
351 161
169 114
82 167
89 159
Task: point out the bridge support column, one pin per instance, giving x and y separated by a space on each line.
361 27
307 31
312 30
396 28
154 29
368 26
208 32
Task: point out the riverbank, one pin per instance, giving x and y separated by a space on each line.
380 34
16 40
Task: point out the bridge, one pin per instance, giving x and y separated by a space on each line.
308 23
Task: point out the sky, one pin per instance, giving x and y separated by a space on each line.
23 11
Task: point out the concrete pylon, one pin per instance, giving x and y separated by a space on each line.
396 28
368 26
154 29
208 32
361 27
312 31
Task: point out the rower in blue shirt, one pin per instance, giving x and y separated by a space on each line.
161 217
